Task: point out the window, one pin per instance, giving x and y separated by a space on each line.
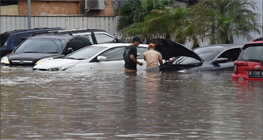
252 53
114 54
141 51
20 37
103 38
40 46
231 54
85 53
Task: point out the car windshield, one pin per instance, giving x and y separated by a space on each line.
85 53
253 53
205 54
40 46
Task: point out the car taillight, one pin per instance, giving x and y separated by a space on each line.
239 63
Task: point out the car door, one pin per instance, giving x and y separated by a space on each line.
115 59
231 55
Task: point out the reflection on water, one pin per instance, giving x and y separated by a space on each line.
118 105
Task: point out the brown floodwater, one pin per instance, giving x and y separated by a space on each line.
115 105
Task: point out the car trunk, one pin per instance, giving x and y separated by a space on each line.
170 49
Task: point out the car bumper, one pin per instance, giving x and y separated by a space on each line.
241 77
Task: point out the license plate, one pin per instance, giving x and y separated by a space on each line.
255 74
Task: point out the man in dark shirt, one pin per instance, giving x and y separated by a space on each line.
130 55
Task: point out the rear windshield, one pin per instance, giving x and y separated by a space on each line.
4 38
252 53
40 46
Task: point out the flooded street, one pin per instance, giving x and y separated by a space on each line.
115 105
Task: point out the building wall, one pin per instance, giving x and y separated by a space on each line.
9 23
9 10
49 8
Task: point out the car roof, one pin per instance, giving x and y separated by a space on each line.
255 42
222 46
111 45
63 36
77 31
31 30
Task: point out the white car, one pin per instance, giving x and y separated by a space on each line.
108 56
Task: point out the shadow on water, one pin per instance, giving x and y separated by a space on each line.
118 105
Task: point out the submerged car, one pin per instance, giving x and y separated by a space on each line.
219 57
40 48
11 39
108 56
249 65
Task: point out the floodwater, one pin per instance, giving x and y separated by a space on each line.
117 106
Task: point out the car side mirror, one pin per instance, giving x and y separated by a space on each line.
138 54
69 50
101 58
220 60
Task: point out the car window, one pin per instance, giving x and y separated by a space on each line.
141 50
252 53
231 54
103 38
4 38
20 37
85 41
89 37
40 46
86 52
114 54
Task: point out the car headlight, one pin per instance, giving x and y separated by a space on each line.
182 71
59 68
44 59
5 60
54 69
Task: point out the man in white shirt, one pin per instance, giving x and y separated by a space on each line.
152 57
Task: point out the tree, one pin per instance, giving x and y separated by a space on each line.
220 20
136 11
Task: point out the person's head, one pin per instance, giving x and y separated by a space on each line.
136 41
151 46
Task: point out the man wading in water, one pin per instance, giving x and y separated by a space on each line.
152 57
130 56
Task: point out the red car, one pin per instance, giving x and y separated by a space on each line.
249 65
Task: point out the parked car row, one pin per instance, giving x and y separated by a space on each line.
51 44
11 39
92 50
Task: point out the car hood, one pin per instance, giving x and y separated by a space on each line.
56 63
170 49
31 56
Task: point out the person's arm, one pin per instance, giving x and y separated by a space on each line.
134 60
144 57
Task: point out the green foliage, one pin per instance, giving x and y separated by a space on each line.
220 20
137 11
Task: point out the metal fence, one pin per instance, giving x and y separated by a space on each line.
9 23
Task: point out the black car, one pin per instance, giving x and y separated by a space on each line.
11 39
44 47
96 36
207 58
